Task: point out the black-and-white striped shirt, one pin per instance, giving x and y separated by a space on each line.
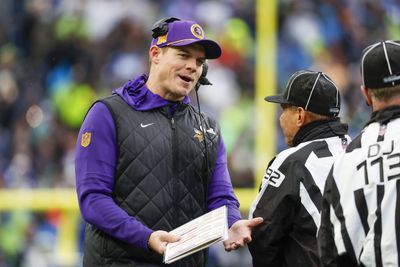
290 200
361 207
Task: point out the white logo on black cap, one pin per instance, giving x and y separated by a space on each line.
392 78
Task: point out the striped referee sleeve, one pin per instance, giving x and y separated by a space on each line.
332 211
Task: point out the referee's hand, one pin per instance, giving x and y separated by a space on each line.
240 233
158 241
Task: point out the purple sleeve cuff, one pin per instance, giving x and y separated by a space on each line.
220 190
145 238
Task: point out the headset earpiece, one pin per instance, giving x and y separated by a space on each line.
161 27
203 79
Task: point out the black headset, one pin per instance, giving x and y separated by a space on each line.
160 28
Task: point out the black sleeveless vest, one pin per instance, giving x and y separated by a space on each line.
161 178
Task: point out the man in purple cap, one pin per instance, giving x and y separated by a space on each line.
147 161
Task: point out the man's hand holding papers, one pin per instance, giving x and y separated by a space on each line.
158 241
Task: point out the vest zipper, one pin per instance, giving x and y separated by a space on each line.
175 160
172 123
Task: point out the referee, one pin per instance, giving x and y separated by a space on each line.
290 196
360 220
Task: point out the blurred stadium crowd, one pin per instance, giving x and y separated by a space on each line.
58 56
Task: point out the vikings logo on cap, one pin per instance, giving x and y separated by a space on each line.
197 31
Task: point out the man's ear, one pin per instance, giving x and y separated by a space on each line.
154 54
301 116
366 95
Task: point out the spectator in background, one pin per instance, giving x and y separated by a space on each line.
147 161
361 206
290 196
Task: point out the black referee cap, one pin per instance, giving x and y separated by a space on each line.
312 90
380 65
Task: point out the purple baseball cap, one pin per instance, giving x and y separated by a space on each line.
185 32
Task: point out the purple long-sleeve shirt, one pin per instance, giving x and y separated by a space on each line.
96 161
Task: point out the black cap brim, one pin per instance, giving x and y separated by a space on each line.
280 99
212 49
